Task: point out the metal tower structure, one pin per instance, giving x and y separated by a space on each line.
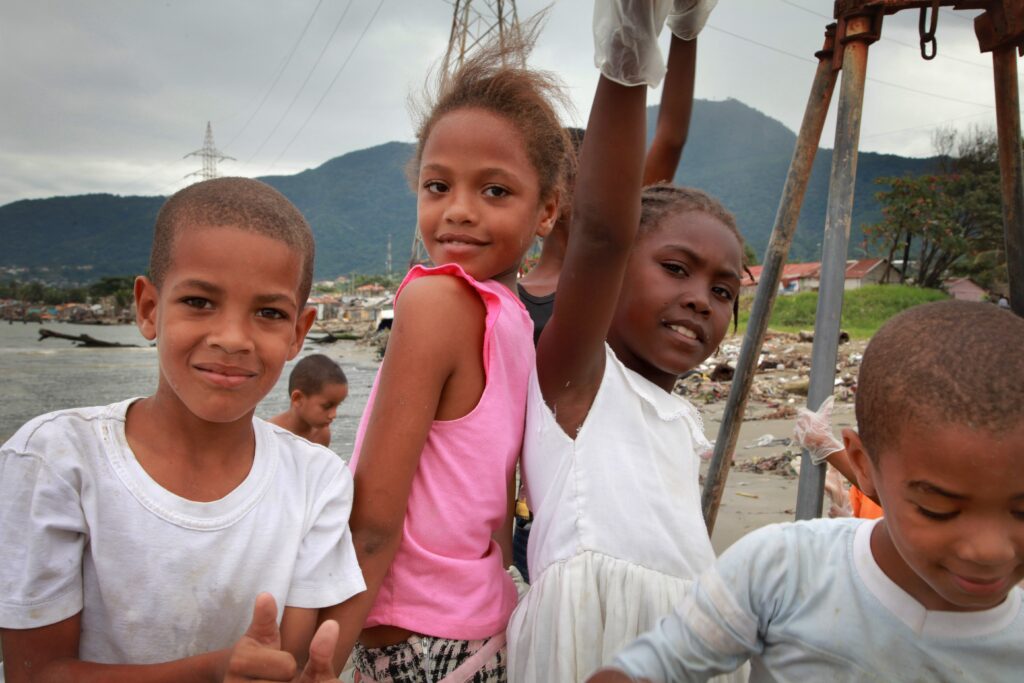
473 22
210 156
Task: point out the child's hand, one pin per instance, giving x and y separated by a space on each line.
258 654
687 17
626 40
319 668
813 431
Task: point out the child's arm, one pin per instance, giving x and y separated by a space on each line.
50 654
674 112
606 215
434 347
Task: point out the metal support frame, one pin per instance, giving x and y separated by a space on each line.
1000 30
1011 170
841 184
768 287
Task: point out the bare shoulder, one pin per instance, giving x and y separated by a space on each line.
439 302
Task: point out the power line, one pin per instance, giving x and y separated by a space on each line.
875 80
304 82
330 85
280 72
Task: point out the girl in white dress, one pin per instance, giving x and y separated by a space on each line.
610 455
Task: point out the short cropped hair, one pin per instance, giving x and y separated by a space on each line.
311 374
243 203
952 362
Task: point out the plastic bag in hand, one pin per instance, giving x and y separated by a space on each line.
626 40
813 431
688 17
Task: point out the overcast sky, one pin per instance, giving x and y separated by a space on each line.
109 95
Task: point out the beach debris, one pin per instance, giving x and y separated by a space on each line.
747 495
83 340
766 440
781 464
723 372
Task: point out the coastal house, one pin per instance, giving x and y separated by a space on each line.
965 289
866 271
806 277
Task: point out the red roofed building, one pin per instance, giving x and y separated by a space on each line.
803 277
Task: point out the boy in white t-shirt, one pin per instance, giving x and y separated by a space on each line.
137 536
927 593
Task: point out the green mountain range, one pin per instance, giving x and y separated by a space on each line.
354 202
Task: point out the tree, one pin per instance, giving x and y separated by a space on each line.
949 219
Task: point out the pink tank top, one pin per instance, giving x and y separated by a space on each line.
448 579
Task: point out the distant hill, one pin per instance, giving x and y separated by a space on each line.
355 201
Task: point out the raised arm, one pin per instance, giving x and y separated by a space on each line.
436 319
606 211
674 113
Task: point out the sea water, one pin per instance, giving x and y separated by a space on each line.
42 376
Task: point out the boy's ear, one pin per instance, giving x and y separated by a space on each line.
296 395
146 296
861 463
303 321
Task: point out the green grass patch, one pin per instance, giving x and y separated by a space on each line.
864 310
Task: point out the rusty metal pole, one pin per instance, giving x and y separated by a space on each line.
1011 169
858 36
775 258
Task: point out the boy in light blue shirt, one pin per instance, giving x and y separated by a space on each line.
928 593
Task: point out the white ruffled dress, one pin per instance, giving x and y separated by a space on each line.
617 533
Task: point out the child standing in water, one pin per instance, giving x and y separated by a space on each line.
436 451
610 453
316 387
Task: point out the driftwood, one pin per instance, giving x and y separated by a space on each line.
82 340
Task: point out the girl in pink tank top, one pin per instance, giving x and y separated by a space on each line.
435 454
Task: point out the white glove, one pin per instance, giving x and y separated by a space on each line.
626 40
813 431
688 17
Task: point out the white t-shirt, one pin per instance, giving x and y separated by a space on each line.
158 577
808 602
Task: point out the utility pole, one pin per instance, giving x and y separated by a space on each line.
473 22
387 264
210 156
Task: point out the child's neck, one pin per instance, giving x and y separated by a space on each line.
293 423
190 457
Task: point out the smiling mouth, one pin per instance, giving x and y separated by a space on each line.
460 240
224 375
980 586
684 331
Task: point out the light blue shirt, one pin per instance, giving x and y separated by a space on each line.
808 602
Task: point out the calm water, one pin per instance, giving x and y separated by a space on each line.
40 376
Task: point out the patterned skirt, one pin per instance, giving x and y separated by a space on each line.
424 659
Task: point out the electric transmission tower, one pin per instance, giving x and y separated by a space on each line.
473 22
210 156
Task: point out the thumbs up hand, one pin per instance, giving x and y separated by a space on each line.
258 654
319 668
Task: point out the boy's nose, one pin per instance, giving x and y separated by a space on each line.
231 335
988 545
